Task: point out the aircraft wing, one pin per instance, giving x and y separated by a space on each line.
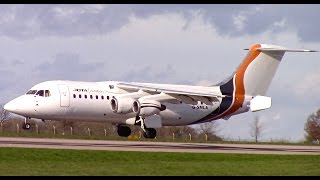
181 93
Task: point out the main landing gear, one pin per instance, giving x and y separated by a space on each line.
125 131
150 133
26 125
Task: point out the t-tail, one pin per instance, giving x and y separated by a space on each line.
252 79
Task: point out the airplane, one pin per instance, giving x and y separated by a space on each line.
150 105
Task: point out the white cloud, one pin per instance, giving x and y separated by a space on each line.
276 116
63 11
70 10
280 24
95 8
7 18
79 20
239 21
309 86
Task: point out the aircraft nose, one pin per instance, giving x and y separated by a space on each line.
11 106
22 105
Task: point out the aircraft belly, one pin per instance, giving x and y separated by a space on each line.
184 114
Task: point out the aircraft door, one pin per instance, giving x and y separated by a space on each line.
64 95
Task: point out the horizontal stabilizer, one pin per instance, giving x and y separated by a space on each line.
267 47
286 50
260 103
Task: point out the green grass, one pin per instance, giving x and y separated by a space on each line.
20 161
135 138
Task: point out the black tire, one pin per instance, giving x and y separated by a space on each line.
145 135
124 131
150 133
26 126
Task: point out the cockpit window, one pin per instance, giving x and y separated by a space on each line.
47 93
31 92
43 93
40 93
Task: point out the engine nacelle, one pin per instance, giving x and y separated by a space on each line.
121 105
147 107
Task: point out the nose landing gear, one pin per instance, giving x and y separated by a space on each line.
26 125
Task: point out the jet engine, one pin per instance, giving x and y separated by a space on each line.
147 107
121 105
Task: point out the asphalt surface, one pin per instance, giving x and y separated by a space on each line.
144 146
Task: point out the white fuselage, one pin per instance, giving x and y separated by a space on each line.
90 101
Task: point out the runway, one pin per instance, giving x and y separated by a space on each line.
144 146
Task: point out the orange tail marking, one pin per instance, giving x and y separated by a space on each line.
239 80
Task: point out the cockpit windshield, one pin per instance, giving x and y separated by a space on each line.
42 93
31 92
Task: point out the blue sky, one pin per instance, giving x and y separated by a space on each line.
177 44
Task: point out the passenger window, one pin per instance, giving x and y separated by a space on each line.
96 96
91 97
47 93
74 96
40 93
79 95
102 97
111 86
85 96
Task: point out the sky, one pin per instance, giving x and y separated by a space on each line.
173 44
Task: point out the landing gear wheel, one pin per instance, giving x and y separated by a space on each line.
26 126
124 131
150 133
